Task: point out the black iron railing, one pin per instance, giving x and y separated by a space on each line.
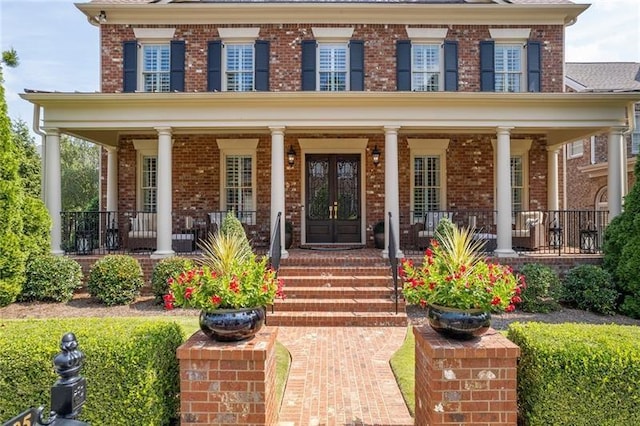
275 248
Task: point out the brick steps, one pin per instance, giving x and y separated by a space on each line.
337 290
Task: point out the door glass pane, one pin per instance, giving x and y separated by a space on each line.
347 186
318 189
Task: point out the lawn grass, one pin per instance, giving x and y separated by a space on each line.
190 325
403 367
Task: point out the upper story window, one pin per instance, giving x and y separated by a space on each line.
333 67
510 62
508 68
425 67
238 62
156 60
239 68
575 149
153 62
332 61
427 62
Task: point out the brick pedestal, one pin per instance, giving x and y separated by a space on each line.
230 383
465 382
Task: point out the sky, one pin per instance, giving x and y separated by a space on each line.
58 49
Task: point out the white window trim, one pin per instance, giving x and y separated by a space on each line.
150 36
518 147
344 43
523 63
144 148
233 147
229 36
440 62
635 147
429 147
435 36
332 35
140 70
514 36
224 63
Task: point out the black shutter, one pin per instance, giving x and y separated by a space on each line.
403 65
176 79
534 66
487 66
451 66
130 66
214 66
356 65
308 65
262 65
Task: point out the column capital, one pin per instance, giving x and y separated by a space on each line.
553 150
391 129
163 130
277 130
620 130
51 131
111 149
504 130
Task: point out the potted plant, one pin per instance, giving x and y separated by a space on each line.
378 235
459 288
288 234
231 286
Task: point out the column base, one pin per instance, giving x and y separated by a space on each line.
505 253
162 254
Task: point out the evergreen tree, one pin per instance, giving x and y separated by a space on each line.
12 257
79 162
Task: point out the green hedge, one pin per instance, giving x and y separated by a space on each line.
578 374
130 365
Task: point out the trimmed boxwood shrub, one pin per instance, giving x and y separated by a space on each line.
541 291
578 374
51 279
590 288
130 365
166 268
115 279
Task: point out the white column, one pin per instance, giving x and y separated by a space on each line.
164 202
615 178
112 179
391 189
503 193
553 200
53 188
277 184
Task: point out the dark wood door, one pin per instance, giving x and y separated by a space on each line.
333 211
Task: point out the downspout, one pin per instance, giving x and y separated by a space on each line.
43 149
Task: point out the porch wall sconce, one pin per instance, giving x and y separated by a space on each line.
291 155
375 154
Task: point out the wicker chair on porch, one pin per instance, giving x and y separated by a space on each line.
142 232
530 231
424 231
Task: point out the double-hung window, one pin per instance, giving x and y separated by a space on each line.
156 71
508 68
425 67
239 67
517 183
238 177
149 187
333 67
428 176
635 137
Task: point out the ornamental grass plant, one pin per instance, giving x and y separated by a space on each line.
454 274
230 276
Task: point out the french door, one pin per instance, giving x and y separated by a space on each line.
333 210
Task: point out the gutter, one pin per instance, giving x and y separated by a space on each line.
35 126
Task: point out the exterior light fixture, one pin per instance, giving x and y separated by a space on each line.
291 155
375 154
101 18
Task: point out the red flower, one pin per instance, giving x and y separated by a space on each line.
215 299
496 301
234 285
265 288
170 280
432 285
510 308
429 252
423 303
188 292
516 299
168 301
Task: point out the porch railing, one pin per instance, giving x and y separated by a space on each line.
558 232
104 232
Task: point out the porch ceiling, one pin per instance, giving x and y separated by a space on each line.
563 117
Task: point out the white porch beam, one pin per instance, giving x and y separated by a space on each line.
503 193
277 184
164 205
391 189
53 188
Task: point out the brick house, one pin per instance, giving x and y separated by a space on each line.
334 114
586 159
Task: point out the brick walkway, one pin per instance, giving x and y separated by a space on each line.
341 376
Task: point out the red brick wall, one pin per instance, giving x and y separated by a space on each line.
285 53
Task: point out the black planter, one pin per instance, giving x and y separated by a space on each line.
457 323
378 240
232 325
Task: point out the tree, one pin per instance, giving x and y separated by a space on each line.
12 257
30 165
80 175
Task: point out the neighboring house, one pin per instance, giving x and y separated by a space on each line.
335 114
586 159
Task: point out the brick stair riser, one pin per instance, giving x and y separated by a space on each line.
320 305
336 293
334 271
335 262
329 282
285 320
